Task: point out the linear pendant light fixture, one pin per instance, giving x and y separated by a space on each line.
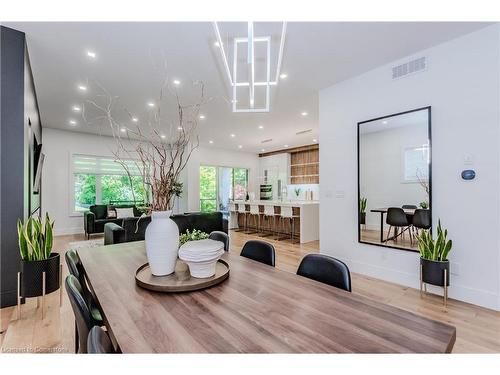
250 41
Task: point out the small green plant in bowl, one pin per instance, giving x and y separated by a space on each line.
424 205
297 191
195 235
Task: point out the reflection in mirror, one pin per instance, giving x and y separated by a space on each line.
394 179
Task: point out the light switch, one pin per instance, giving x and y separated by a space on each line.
468 159
340 194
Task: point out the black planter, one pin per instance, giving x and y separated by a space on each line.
362 218
433 272
32 276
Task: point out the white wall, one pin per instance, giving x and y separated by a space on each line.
381 169
59 145
223 158
462 86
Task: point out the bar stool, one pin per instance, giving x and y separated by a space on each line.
255 215
242 210
233 212
267 215
287 214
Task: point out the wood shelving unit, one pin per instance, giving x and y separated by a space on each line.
304 166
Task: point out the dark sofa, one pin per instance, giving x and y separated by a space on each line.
97 216
134 229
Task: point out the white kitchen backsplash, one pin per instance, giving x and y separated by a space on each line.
312 188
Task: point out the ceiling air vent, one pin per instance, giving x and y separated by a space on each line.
303 132
266 140
412 66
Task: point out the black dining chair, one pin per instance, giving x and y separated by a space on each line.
217 235
99 342
260 251
396 219
83 318
422 219
75 268
327 270
409 217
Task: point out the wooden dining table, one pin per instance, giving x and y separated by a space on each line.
258 309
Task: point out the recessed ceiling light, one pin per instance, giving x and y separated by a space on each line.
72 122
91 54
177 82
315 140
261 126
151 104
135 119
285 146
163 136
384 122
240 146
304 113
211 142
234 101
179 128
263 150
76 108
202 117
82 88
216 44
233 135
283 75
123 130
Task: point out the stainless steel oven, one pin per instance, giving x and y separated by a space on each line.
266 192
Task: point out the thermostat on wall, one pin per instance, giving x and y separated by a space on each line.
468 174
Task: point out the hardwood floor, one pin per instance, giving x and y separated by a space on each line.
478 329
373 236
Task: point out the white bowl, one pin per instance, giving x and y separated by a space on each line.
204 269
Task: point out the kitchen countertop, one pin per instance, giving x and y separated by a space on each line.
280 203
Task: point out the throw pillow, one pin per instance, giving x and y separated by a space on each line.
122 213
111 212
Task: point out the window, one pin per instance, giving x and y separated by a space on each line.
208 189
100 180
218 185
416 163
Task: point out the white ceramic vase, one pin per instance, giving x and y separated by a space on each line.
162 243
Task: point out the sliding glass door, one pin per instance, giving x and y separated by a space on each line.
219 185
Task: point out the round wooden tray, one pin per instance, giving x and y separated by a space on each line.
180 280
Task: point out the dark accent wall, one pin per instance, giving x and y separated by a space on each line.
17 106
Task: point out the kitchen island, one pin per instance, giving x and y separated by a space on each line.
306 223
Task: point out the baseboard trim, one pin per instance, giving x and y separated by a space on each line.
462 293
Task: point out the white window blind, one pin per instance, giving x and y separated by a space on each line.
104 166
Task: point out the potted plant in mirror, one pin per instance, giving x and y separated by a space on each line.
434 257
424 205
362 211
35 245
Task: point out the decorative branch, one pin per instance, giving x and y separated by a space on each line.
159 149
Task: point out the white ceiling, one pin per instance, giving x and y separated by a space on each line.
316 55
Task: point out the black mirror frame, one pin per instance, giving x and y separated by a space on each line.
429 132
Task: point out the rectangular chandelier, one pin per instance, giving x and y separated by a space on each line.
251 41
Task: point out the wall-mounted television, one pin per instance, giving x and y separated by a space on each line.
38 158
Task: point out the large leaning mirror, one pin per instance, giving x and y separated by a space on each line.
394 179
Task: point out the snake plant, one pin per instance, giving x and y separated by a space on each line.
435 250
362 205
35 238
